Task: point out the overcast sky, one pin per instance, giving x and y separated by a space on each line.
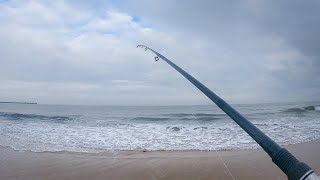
84 52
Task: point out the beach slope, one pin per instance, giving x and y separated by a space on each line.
243 164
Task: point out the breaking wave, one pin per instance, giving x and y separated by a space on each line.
149 119
19 116
182 117
103 128
304 109
195 115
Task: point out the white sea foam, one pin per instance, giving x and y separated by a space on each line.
183 131
57 137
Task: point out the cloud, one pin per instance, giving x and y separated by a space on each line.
49 45
83 52
268 47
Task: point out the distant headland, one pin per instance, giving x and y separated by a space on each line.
18 102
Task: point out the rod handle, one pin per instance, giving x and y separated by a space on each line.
292 167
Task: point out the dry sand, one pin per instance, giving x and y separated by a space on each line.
243 164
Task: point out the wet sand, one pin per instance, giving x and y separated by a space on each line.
243 164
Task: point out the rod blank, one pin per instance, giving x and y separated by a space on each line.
294 169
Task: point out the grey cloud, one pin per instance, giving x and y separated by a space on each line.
296 21
246 51
253 31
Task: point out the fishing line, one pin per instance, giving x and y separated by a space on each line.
225 165
223 162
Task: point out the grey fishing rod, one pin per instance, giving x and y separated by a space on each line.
292 167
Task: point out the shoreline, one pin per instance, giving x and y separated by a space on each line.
150 151
243 164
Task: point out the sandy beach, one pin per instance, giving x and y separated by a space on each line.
243 164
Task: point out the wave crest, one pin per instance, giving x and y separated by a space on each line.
304 109
19 116
150 119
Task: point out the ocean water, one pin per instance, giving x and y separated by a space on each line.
111 128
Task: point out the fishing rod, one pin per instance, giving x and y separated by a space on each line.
292 167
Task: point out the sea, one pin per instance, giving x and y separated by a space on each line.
94 129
